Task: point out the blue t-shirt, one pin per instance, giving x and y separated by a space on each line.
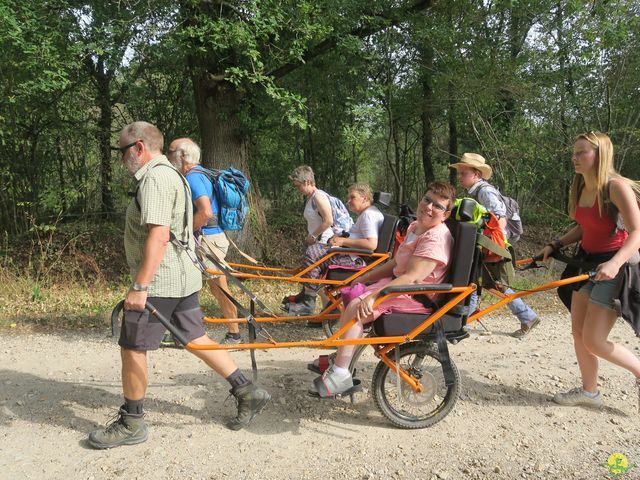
201 185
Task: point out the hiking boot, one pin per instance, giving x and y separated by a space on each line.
577 396
524 330
124 429
306 307
229 339
251 400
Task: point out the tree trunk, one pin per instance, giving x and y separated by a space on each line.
224 144
103 136
565 167
427 112
61 179
453 133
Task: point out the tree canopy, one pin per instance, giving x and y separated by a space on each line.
388 93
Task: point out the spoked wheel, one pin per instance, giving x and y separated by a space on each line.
396 399
330 326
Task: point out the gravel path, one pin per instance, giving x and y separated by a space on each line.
56 387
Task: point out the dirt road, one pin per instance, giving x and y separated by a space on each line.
56 387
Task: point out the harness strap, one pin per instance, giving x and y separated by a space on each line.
245 255
186 194
227 273
445 359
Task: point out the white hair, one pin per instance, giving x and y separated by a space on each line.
190 150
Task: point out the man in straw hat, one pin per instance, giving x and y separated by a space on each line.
473 173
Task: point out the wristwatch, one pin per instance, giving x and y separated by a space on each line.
139 287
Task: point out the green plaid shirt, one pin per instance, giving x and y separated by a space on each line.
164 198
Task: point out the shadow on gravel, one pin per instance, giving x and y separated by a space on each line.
40 400
290 405
499 394
48 401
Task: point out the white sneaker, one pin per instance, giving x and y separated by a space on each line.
331 383
577 396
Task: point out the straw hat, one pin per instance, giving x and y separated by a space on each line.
476 161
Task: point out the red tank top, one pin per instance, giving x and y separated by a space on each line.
596 230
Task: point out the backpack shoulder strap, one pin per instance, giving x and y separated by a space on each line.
314 205
185 186
476 193
608 204
612 209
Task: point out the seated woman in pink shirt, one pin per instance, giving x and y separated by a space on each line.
423 257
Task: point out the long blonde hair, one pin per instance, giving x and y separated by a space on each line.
605 171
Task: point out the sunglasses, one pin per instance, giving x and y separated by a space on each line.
427 200
122 150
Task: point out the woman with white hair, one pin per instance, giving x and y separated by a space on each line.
363 234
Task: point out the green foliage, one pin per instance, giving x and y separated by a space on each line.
352 87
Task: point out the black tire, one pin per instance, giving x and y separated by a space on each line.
415 410
330 326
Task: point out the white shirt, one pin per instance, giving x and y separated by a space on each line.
367 224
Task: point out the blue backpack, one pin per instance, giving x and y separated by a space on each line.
230 187
342 221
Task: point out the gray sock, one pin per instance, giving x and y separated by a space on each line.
237 379
134 407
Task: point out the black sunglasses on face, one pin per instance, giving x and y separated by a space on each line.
122 150
438 206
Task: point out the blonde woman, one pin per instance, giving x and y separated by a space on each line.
599 199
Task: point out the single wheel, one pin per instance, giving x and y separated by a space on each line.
404 407
330 326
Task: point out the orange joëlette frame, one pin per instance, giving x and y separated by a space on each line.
383 345
292 275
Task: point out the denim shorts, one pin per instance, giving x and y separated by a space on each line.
604 292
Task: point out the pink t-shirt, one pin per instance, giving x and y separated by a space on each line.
434 244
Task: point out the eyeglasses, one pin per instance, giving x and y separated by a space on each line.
438 206
122 150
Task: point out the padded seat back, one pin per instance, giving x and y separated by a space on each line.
464 252
387 233
386 237
461 271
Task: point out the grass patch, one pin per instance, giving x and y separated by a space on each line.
71 276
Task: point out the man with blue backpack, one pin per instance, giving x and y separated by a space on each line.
164 280
185 154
